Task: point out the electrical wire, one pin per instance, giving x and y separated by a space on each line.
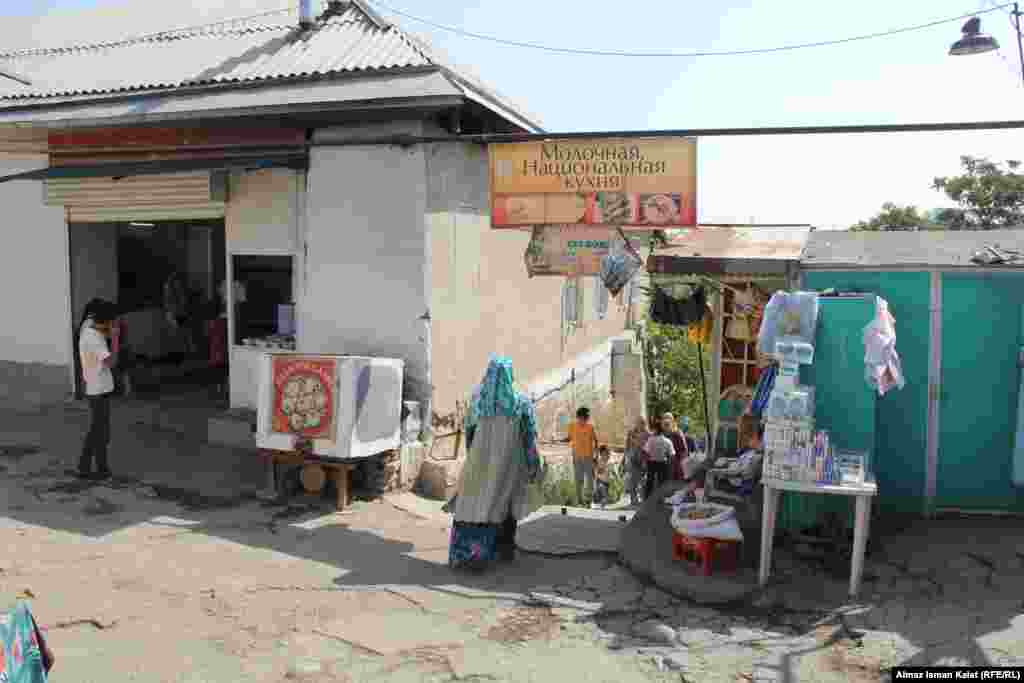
35 52
724 53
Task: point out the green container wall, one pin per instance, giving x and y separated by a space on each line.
844 403
981 322
899 459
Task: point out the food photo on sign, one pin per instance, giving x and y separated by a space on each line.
304 400
644 184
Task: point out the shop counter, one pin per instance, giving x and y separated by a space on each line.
863 493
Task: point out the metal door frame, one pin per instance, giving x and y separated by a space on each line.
931 468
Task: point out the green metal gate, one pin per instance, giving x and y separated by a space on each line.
981 320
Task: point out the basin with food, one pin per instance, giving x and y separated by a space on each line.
693 516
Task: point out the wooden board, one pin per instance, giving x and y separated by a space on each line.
339 473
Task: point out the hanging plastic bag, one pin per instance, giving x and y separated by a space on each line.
882 368
620 265
788 314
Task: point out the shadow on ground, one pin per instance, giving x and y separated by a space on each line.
945 591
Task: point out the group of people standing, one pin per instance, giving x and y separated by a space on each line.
657 454
503 460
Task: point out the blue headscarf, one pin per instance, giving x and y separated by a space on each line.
496 396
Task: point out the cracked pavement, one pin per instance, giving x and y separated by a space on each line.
136 581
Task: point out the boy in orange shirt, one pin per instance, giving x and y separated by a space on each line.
583 441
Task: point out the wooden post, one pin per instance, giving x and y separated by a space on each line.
341 476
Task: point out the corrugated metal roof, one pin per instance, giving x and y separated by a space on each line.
740 243
352 41
731 251
926 248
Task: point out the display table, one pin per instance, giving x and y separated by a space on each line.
863 493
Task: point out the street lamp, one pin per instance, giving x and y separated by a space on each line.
974 42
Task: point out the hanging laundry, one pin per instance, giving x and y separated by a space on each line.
682 312
600 299
701 332
882 367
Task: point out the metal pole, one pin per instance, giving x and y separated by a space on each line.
704 397
1020 49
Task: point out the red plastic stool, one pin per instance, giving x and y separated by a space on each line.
706 553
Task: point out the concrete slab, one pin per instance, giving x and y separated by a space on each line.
579 530
647 551
423 508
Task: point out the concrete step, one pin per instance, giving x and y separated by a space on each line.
234 428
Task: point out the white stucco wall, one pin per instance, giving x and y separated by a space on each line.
367 272
33 271
262 218
483 300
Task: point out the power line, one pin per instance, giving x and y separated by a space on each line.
35 52
725 53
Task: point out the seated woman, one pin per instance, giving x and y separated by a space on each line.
741 474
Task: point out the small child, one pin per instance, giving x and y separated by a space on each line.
601 476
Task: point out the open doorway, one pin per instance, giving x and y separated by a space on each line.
165 277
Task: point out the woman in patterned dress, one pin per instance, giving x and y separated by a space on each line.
501 440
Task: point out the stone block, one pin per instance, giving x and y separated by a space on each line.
432 482
228 429
656 631
411 458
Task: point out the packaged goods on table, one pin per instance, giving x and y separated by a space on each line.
788 314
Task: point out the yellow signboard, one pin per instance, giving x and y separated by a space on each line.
648 183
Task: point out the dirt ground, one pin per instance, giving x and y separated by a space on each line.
137 583
181 580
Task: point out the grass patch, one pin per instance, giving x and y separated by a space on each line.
559 486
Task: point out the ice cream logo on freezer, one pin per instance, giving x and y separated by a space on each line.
304 397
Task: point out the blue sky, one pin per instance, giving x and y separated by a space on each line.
829 181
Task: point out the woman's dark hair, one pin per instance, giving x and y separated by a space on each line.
583 413
99 310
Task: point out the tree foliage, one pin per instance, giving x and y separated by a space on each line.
673 373
990 195
894 217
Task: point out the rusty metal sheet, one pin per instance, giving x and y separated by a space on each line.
740 243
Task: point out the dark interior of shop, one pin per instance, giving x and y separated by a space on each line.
267 283
169 275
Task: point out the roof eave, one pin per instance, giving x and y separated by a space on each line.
492 103
36 103
904 267
665 264
88 113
